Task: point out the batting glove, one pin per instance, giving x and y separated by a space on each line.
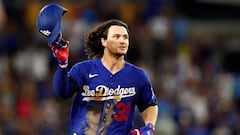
147 130
61 51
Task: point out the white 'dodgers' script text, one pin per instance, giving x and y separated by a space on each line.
103 92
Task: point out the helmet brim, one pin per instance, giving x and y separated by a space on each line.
53 36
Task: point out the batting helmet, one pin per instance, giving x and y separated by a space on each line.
49 21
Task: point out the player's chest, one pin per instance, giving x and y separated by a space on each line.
95 79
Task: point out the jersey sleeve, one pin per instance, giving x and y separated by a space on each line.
75 74
146 96
66 83
62 84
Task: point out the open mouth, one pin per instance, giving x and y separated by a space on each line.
122 47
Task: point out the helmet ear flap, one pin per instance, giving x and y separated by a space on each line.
49 21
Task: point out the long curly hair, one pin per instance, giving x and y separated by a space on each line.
93 45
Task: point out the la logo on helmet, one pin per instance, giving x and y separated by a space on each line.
45 32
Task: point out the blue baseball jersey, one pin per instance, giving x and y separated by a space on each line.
104 102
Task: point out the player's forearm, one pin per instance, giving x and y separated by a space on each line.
150 115
61 83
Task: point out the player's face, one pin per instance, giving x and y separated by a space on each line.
117 40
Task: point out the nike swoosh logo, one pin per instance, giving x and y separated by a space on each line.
92 75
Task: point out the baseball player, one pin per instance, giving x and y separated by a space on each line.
106 87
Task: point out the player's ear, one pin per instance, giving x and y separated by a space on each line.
104 42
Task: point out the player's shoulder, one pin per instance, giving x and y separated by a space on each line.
85 64
135 69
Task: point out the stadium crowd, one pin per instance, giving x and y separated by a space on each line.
197 96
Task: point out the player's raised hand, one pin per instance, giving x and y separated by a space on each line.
49 24
61 52
147 130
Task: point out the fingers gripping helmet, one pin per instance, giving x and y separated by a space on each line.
49 21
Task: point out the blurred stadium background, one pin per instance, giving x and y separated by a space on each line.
189 48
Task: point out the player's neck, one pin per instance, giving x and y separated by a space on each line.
113 64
